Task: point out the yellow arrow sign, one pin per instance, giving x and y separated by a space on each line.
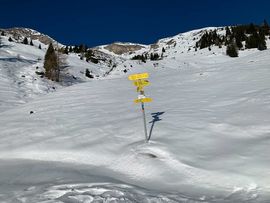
138 76
146 99
139 88
141 83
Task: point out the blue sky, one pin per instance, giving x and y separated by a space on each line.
141 21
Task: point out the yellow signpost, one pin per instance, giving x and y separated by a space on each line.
138 76
144 100
139 80
141 83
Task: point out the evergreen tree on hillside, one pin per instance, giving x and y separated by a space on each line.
88 73
39 46
228 31
251 29
238 42
238 32
256 40
232 50
76 49
25 40
252 41
154 57
204 41
51 64
70 49
31 43
265 28
261 40
142 57
66 51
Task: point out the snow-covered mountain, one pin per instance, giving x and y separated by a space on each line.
21 68
18 34
84 142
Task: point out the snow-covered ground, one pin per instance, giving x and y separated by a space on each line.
19 82
85 143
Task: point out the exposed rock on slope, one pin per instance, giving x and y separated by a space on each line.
122 48
20 33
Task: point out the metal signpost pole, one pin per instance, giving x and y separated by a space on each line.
139 80
144 121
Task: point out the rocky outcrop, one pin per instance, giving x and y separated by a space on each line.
154 46
20 33
122 48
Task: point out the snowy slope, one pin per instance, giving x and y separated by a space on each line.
85 142
175 45
19 63
178 46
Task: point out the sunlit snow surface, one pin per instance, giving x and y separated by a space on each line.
84 143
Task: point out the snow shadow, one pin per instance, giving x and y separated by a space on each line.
156 118
5 46
17 59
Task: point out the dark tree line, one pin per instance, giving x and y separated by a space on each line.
82 48
253 36
144 57
83 51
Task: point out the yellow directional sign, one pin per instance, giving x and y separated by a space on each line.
139 88
138 76
146 99
141 83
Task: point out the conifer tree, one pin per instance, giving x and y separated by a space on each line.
39 46
88 73
51 64
265 28
154 56
70 49
228 31
66 50
25 40
261 40
232 50
238 42
76 49
251 29
31 43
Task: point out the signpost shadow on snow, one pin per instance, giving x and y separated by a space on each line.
155 119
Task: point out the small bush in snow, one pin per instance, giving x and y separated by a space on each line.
25 40
88 73
232 50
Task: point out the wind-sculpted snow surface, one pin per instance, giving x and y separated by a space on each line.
55 182
111 192
85 143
